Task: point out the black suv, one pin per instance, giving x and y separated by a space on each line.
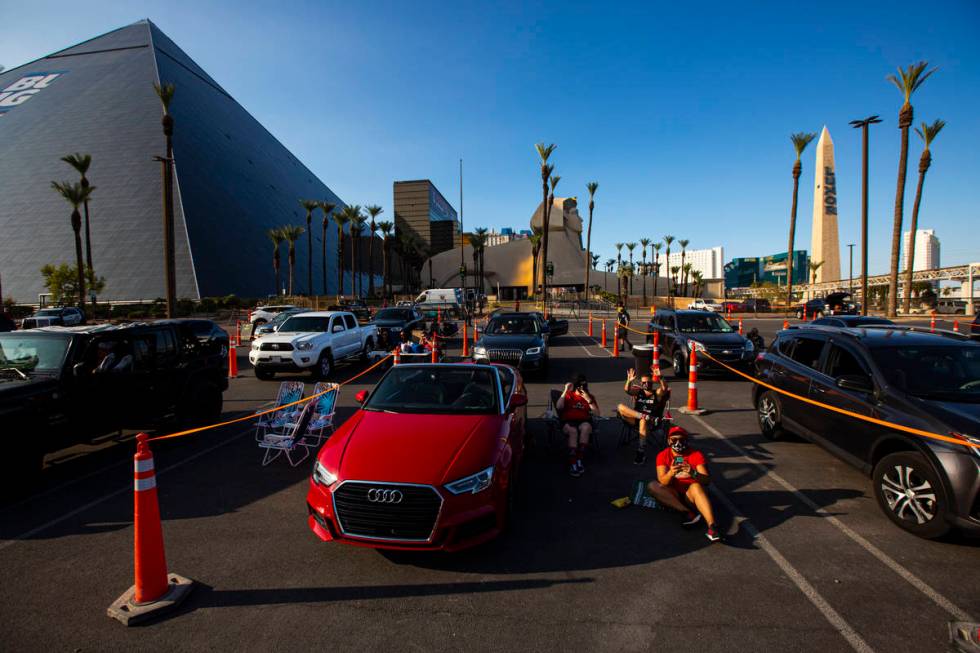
836 303
678 329
915 379
515 339
65 385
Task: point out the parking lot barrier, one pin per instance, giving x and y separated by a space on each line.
655 364
154 590
232 361
603 344
692 407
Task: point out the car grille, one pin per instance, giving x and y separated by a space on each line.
412 519
505 355
275 346
733 353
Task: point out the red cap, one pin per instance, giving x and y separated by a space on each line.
677 430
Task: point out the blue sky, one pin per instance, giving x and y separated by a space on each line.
681 112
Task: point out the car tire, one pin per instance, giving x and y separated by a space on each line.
769 410
679 365
924 511
324 366
263 375
368 347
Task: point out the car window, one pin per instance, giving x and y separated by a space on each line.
513 326
350 321
785 346
506 381
336 323
164 344
947 372
436 390
807 351
304 323
841 362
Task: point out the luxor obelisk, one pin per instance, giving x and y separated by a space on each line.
825 244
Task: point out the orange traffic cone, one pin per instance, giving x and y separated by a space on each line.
232 361
932 323
656 356
692 386
590 324
398 355
956 326
804 313
785 324
615 351
435 353
603 334
155 590
466 342
739 326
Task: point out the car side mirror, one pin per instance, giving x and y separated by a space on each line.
516 401
361 396
337 328
855 382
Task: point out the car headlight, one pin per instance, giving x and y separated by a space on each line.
323 476
472 484
256 346
479 351
533 350
304 346
694 344
749 346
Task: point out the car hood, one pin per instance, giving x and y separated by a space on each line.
389 323
406 448
717 339
961 417
511 341
292 337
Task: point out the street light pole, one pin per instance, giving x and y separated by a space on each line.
850 268
863 124
462 260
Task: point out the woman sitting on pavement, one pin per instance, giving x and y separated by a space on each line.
576 407
649 402
682 476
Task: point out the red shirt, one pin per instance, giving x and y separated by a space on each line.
692 457
576 408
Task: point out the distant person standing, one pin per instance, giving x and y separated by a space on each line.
622 325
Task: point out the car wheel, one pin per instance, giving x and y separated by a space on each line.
324 366
908 490
263 375
368 346
770 414
680 368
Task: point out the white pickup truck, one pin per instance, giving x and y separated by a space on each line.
702 305
314 342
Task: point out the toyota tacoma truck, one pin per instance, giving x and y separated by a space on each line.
312 342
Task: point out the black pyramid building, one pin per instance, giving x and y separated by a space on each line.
234 180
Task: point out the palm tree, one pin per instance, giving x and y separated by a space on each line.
356 227
481 232
386 228
544 152
75 194
644 243
593 186
81 163
631 247
340 218
683 244
605 280
674 273
656 266
814 266
927 134
374 211
800 141
292 233
698 277
619 255
275 235
668 240
309 206
326 207
535 240
908 81
595 261
477 242
166 94
686 272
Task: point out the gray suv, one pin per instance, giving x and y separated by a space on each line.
679 330
918 380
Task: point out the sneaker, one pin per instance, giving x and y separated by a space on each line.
641 457
581 466
575 470
712 534
691 519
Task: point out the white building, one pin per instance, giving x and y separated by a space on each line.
709 262
926 250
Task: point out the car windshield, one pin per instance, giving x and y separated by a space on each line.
703 323
394 314
305 323
939 372
282 317
443 390
48 312
32 353
512 326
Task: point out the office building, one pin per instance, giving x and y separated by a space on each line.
420 209
926 250
709 262
743 272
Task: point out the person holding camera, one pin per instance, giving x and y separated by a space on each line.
649 403
576 407
682 479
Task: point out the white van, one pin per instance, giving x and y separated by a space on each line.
440 296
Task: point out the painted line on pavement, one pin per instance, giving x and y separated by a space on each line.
128 488
587 350
883 557
808 590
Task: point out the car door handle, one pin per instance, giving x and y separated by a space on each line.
818 390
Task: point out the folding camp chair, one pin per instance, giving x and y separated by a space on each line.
289 392
287 440
629 433
321 409
556 437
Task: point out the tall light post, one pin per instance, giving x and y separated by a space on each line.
850 269
462 260
863 125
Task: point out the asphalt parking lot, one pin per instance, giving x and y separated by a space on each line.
809 562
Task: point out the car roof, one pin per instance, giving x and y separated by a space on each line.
321 313
883 335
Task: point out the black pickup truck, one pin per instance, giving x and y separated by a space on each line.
66 385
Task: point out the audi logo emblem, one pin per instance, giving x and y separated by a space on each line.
378 495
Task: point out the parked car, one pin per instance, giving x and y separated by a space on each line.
851 321
552 327
514 339
951 307
732 307
392 321
65 385
312 342
704 305
680 329
441 296
757 305
837 303
428 462
273 325
913 379
62 316
262 314
974 328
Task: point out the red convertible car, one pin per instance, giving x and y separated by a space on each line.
428 462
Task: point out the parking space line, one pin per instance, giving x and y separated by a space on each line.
808 590
587 350
883 557
128 488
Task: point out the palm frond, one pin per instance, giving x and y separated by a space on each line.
593 186
374 211
800 141
291 233
554 181
275 235
929 132
165 92
544 151
78 161
910 79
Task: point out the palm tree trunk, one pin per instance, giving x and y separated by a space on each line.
88 235
545 222
170 256
76 223
904 120
340 262
324 258
309 253
371 262
683 273
792 234
588 252
656 273
275 268
923 167
353 266
292 266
